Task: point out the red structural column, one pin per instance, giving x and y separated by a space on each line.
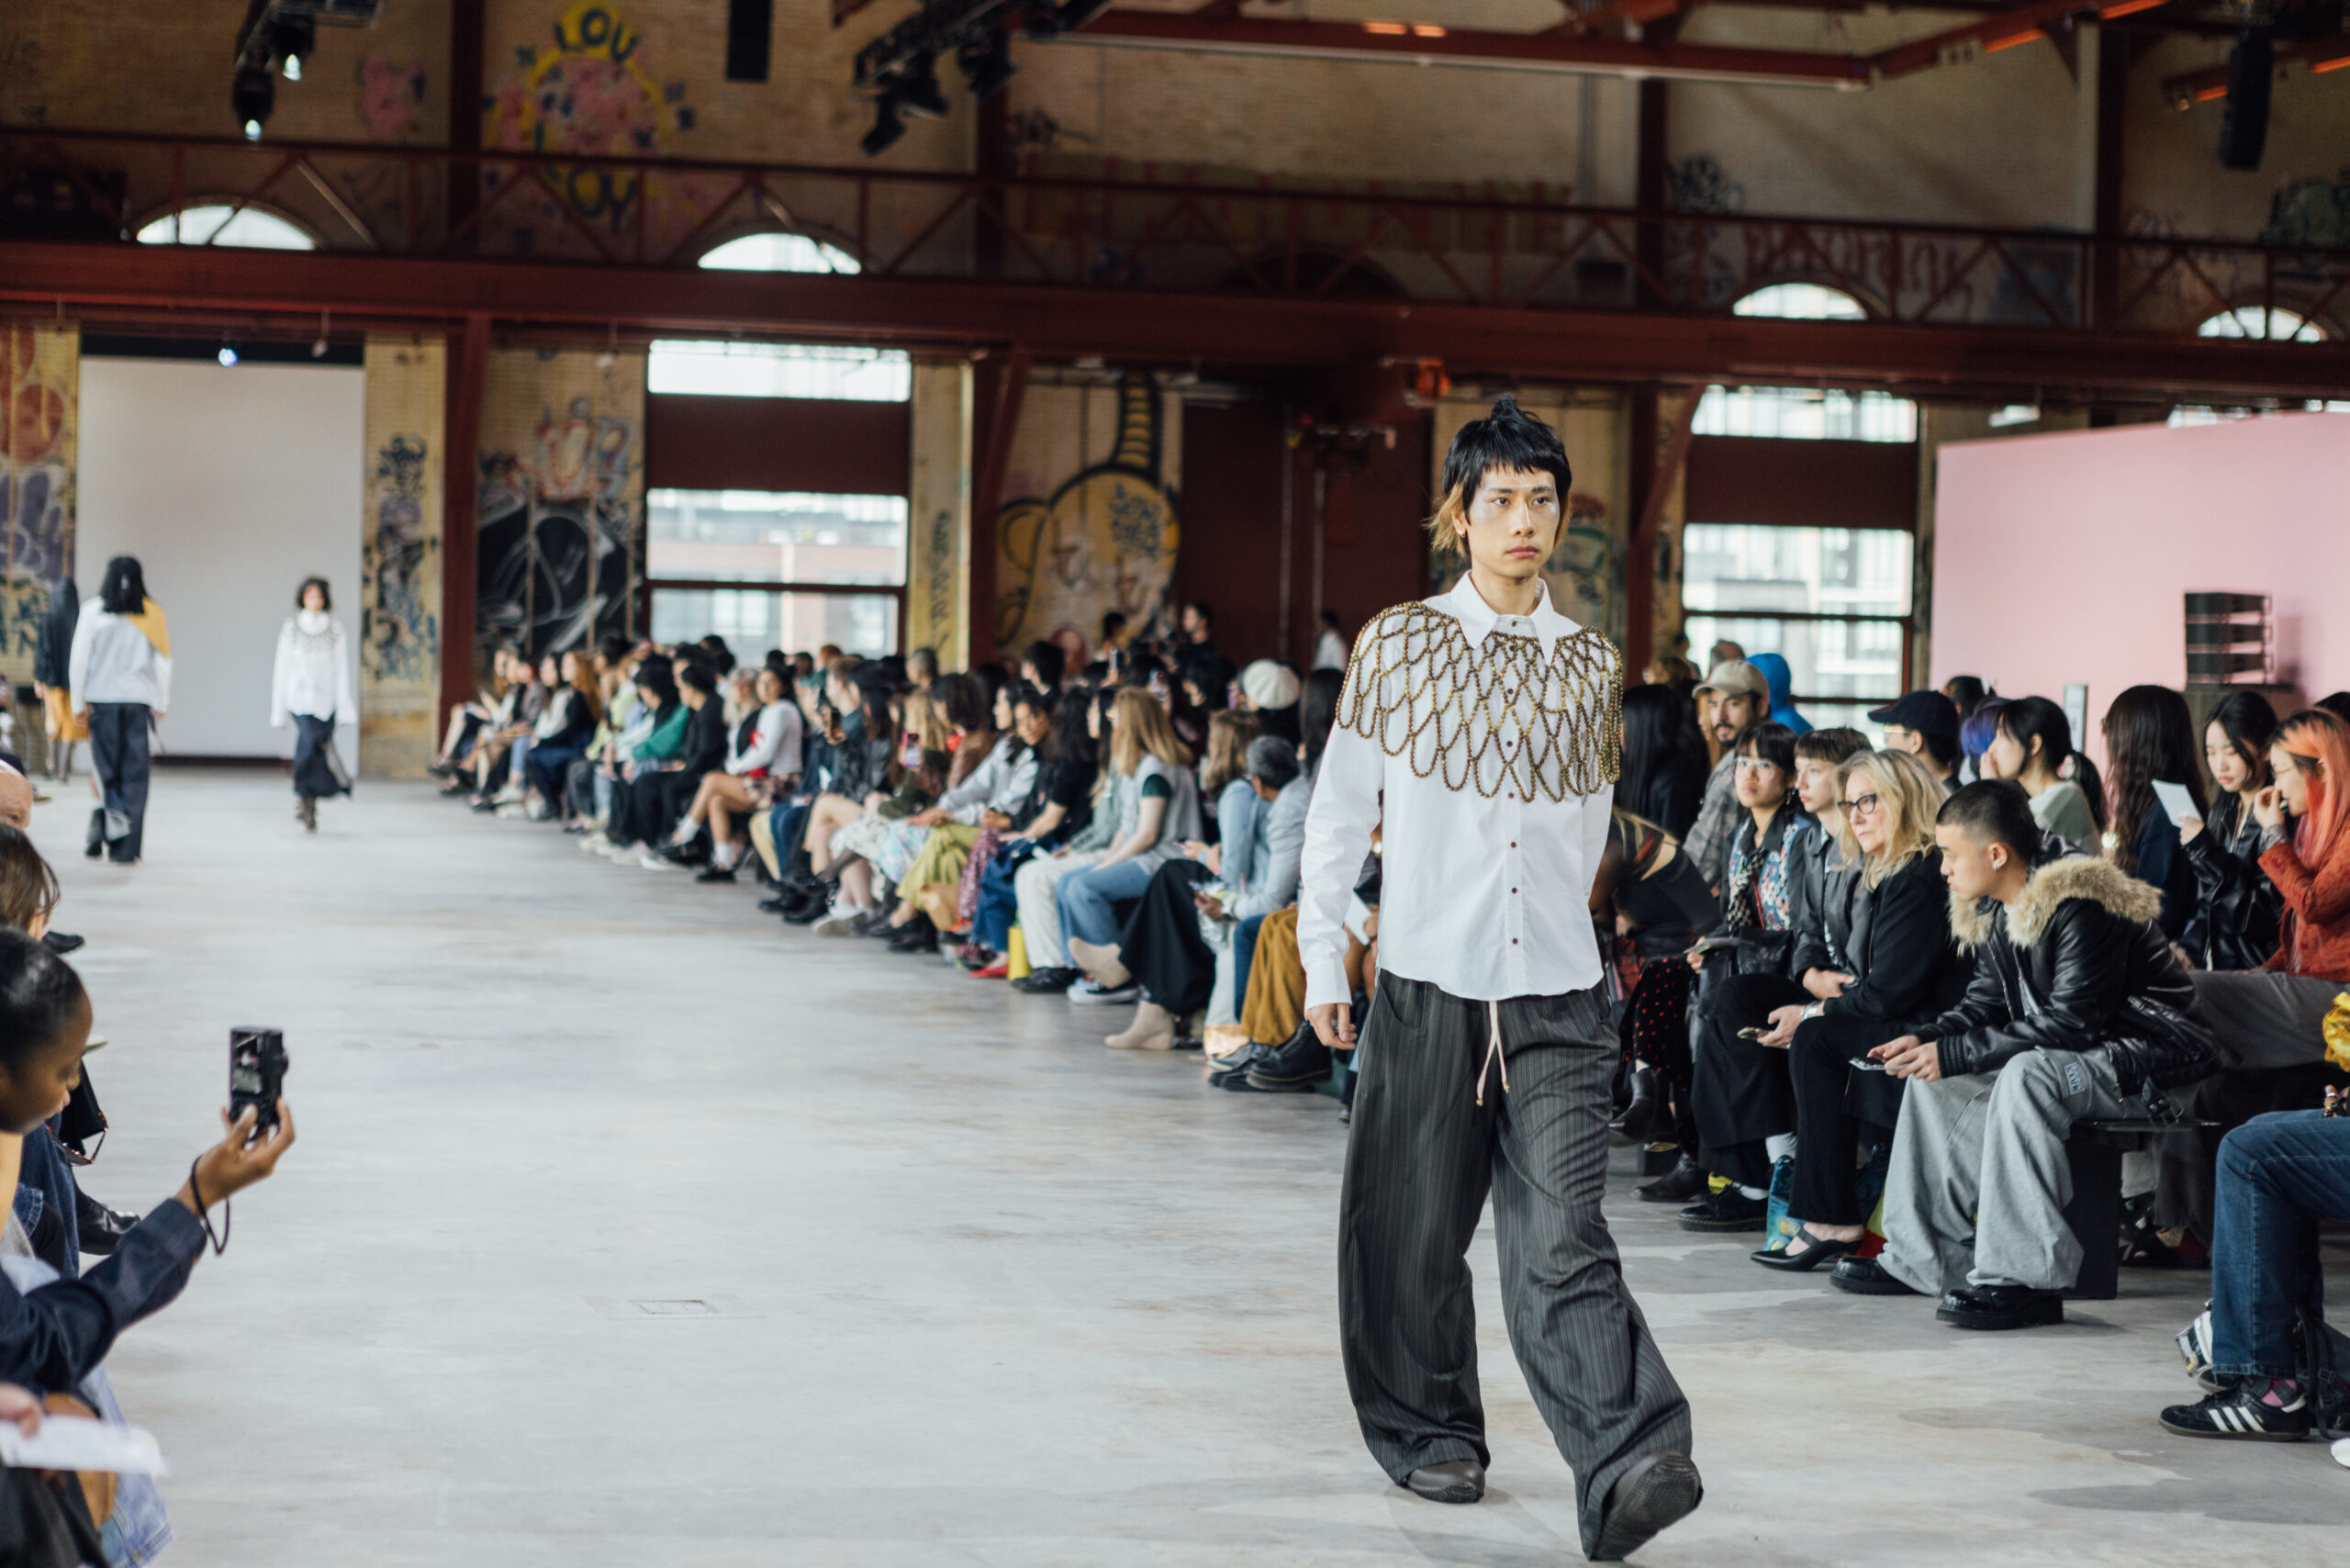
460 557
1000 386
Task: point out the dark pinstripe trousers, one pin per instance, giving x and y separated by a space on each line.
1421 1159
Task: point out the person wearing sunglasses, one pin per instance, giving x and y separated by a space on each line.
1894 932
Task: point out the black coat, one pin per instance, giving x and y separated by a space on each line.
2238 911
1896 940
2078 963
703 748
53 650
1817 880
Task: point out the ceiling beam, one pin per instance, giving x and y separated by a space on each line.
2002 30
1428 43
1638 13
2210 83
1138 326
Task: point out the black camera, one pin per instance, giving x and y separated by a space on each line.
257 1074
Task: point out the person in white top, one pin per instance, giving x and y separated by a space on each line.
119 671
1481 731
311 688
1330 648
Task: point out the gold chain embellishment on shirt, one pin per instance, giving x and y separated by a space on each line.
1499 719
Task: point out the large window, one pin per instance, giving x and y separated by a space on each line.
783 570
1834 602
220 224
1803 413
798 571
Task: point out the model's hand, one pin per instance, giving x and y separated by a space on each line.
1910 1057
2190 829
2268 807
240 1159
1333 1024
1782 1033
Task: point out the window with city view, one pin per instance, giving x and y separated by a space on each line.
1833 601
769 558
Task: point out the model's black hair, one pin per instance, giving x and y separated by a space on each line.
1994 811
1509 438
1774 743
660 680
1964 692
39 994
123 590
326 593
1201 608
699 676
1214 677
614 649
964 701
2338 704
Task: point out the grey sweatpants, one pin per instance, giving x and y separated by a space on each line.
1978 1183
1421 1159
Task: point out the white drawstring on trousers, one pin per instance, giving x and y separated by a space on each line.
1493 1054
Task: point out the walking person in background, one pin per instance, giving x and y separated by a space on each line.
312 686
53 661
119 672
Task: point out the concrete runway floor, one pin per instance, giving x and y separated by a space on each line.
627 1227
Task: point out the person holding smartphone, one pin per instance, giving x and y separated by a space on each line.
52 1337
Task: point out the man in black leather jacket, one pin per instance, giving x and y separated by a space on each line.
2078 1006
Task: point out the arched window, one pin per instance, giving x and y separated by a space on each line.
219 224
1801 302
2275 325
780 253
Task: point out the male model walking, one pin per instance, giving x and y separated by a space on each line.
1480 731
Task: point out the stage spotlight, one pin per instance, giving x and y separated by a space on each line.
227 356
293 39
986 63
918 88
252 97
887 127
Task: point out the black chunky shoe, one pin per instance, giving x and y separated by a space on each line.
1865 1276
1293 1069
1685 1182
2001 1306
1728 1210
1046 982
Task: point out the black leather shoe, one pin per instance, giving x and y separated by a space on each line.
715 873
102 1228
1454 1481
58 943
1684 1183
1728 1210
1046 982
1659 1492
1865 1276
2001 1306
1815 1251
916 936
1295 1067
1238 1064
1637 1121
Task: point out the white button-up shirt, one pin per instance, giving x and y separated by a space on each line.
1486 895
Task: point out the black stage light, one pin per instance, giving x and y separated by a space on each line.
986 63
293 39
887 127
2243 127
918 88
251 96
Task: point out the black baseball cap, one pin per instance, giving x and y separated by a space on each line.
1927 712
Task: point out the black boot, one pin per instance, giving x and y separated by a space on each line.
1685 1182
1638 1120
1294 1069
916 936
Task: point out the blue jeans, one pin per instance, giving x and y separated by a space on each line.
2279 1174
545 765
1086 897
1244 957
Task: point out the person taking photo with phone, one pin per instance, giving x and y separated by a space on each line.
51 1338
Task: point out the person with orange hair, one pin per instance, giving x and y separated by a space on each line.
2268 1021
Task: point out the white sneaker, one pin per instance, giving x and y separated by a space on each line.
653 862
513 810
594 843
838 922
621 854
509 796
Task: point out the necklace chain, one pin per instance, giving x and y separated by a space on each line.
1500 719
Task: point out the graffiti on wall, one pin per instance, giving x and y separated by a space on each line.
39 390
391 95
1103 539
585 86
403 636
2311 212
561 539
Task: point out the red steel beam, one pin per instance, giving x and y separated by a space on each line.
1422 42
2210 83
1146 326
1642 12
2018 25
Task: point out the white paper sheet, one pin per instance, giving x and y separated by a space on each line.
76 1442
2177 804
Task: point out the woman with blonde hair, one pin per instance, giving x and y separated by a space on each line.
1154 818
1894 932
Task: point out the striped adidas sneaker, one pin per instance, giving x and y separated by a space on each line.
2257 1408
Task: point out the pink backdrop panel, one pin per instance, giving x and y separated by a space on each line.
2065 558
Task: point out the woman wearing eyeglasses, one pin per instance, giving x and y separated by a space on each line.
1895 935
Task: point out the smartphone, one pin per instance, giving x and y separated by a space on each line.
1866 1065
256 1075
1754 1034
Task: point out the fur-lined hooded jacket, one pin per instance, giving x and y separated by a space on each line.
2078 963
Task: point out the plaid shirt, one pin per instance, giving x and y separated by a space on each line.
1717 825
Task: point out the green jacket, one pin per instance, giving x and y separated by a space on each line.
663 743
